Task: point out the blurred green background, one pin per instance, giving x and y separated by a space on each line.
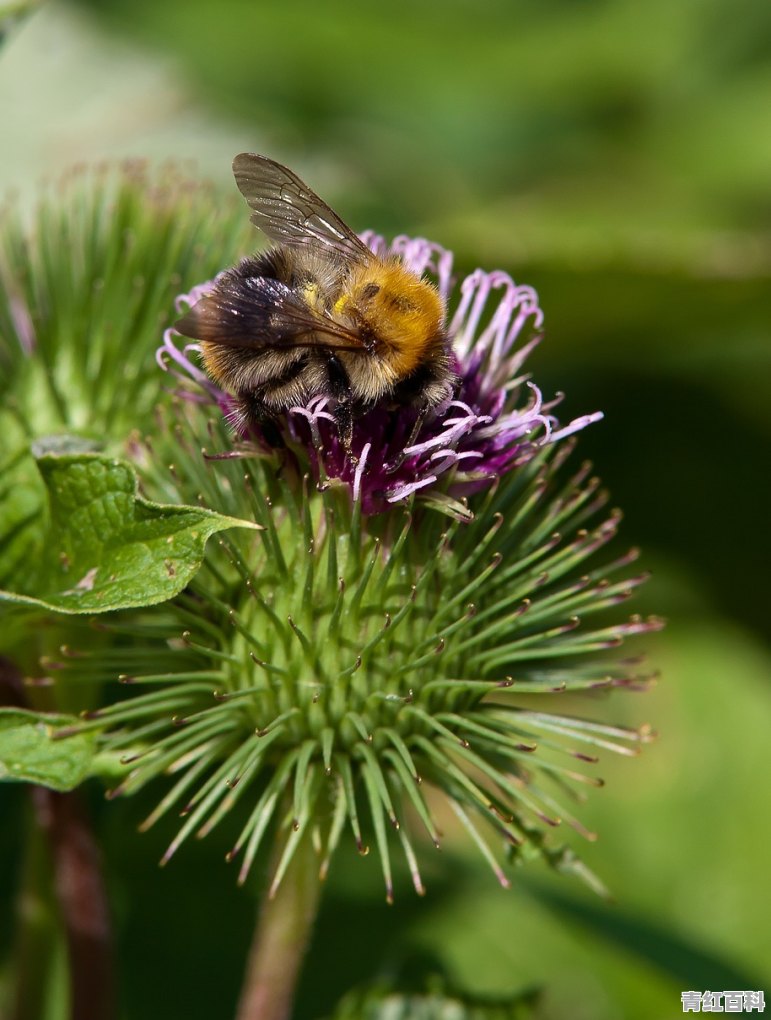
617 156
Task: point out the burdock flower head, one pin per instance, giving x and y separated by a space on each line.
497 420
364 655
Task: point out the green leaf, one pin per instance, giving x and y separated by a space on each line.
107 548
29 752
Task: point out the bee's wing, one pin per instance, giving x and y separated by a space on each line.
257 313
290 213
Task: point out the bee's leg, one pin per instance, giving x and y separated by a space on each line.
272 434
414 433
344 419
340 388
251 415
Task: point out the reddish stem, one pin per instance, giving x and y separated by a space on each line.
82 899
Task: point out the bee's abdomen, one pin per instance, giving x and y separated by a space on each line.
273 264
284 379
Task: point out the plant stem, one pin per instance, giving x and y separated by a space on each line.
73 863
82 897
281 938
36 932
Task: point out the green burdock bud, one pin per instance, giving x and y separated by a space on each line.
87 281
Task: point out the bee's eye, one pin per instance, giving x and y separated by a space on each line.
370 291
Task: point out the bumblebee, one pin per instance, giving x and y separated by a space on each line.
318 314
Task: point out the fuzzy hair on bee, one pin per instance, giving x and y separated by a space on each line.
318 314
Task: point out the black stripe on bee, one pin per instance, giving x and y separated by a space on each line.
289 374
274 264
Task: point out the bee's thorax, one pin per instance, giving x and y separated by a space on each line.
398 315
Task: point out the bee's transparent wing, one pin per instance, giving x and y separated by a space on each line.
259 313
290 213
